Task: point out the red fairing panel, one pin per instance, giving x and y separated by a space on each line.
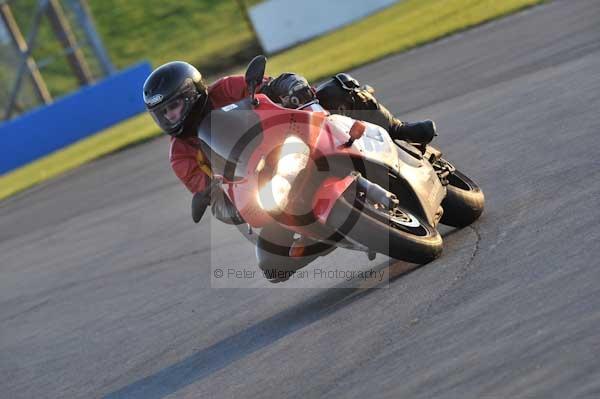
277 123
330 142
327 195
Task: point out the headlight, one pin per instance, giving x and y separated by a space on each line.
293 157
274 195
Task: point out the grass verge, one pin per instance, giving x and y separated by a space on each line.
407 24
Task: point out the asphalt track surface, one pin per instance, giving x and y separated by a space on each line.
105 283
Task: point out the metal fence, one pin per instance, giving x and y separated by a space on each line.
10 60
46 37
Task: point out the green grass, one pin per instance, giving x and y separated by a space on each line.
199 31
407 24
401 27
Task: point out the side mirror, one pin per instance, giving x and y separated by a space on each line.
255 74
200 202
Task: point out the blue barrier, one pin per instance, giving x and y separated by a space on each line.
73 117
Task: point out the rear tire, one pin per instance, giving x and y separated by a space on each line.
464 201
380 233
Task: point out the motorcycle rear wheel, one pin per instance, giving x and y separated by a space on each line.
401 236
464 201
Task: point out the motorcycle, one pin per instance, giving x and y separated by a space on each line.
329 181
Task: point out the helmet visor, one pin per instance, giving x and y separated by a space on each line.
169 116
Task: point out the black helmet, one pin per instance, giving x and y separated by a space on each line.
171 92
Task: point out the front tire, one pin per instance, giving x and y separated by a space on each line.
464 201
409 239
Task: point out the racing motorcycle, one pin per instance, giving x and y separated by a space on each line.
332 180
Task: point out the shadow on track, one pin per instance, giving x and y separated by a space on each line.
231 349
220 355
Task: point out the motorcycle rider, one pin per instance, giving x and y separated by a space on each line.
178 99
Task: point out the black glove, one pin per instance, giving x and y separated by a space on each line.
221 206
223 209
290 90
200 201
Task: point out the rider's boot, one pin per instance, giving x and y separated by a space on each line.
421 132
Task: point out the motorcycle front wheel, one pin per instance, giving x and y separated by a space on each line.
398 234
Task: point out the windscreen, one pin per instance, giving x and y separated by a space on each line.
228 138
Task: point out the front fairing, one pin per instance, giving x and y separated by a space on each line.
243 141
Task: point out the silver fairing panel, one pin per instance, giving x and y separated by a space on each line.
377 146
423 180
